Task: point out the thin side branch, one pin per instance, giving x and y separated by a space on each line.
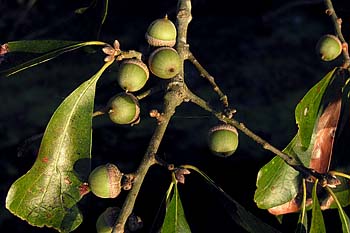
291 161
205 74
337 27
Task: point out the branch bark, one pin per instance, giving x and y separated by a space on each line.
177 93
291 161
175 96
337 22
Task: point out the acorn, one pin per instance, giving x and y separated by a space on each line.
132 75
106 220
124 108
161 32
223 140
164 62
105 181
329 47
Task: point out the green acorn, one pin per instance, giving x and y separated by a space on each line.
223 140
106 220
328 47
105 181
161 32
124 109
164 62
132 75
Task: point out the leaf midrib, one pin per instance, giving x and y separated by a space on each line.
92 81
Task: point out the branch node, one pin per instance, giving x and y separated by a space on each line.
339 22
155 114
229 112
128 180
329 12
171 167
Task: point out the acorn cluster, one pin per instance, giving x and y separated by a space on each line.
133 73
164 62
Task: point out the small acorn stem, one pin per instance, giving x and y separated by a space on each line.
160 86
98 113
129 54
101 111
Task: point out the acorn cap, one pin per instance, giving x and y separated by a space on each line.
164 62
223 140
124 109
132 75
105 181
161 32
329 47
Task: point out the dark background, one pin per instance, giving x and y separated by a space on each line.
260 52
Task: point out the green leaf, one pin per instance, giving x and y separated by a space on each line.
344 220
38 46
307 110
278 183
175 220
47 194
47 56
343 216
317 222
237 212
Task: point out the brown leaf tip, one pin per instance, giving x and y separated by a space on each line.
4 49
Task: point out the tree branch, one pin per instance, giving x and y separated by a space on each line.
205 74
291 161
174 97
337 27
177 92
171 100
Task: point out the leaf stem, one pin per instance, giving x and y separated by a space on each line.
336 173
344 218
